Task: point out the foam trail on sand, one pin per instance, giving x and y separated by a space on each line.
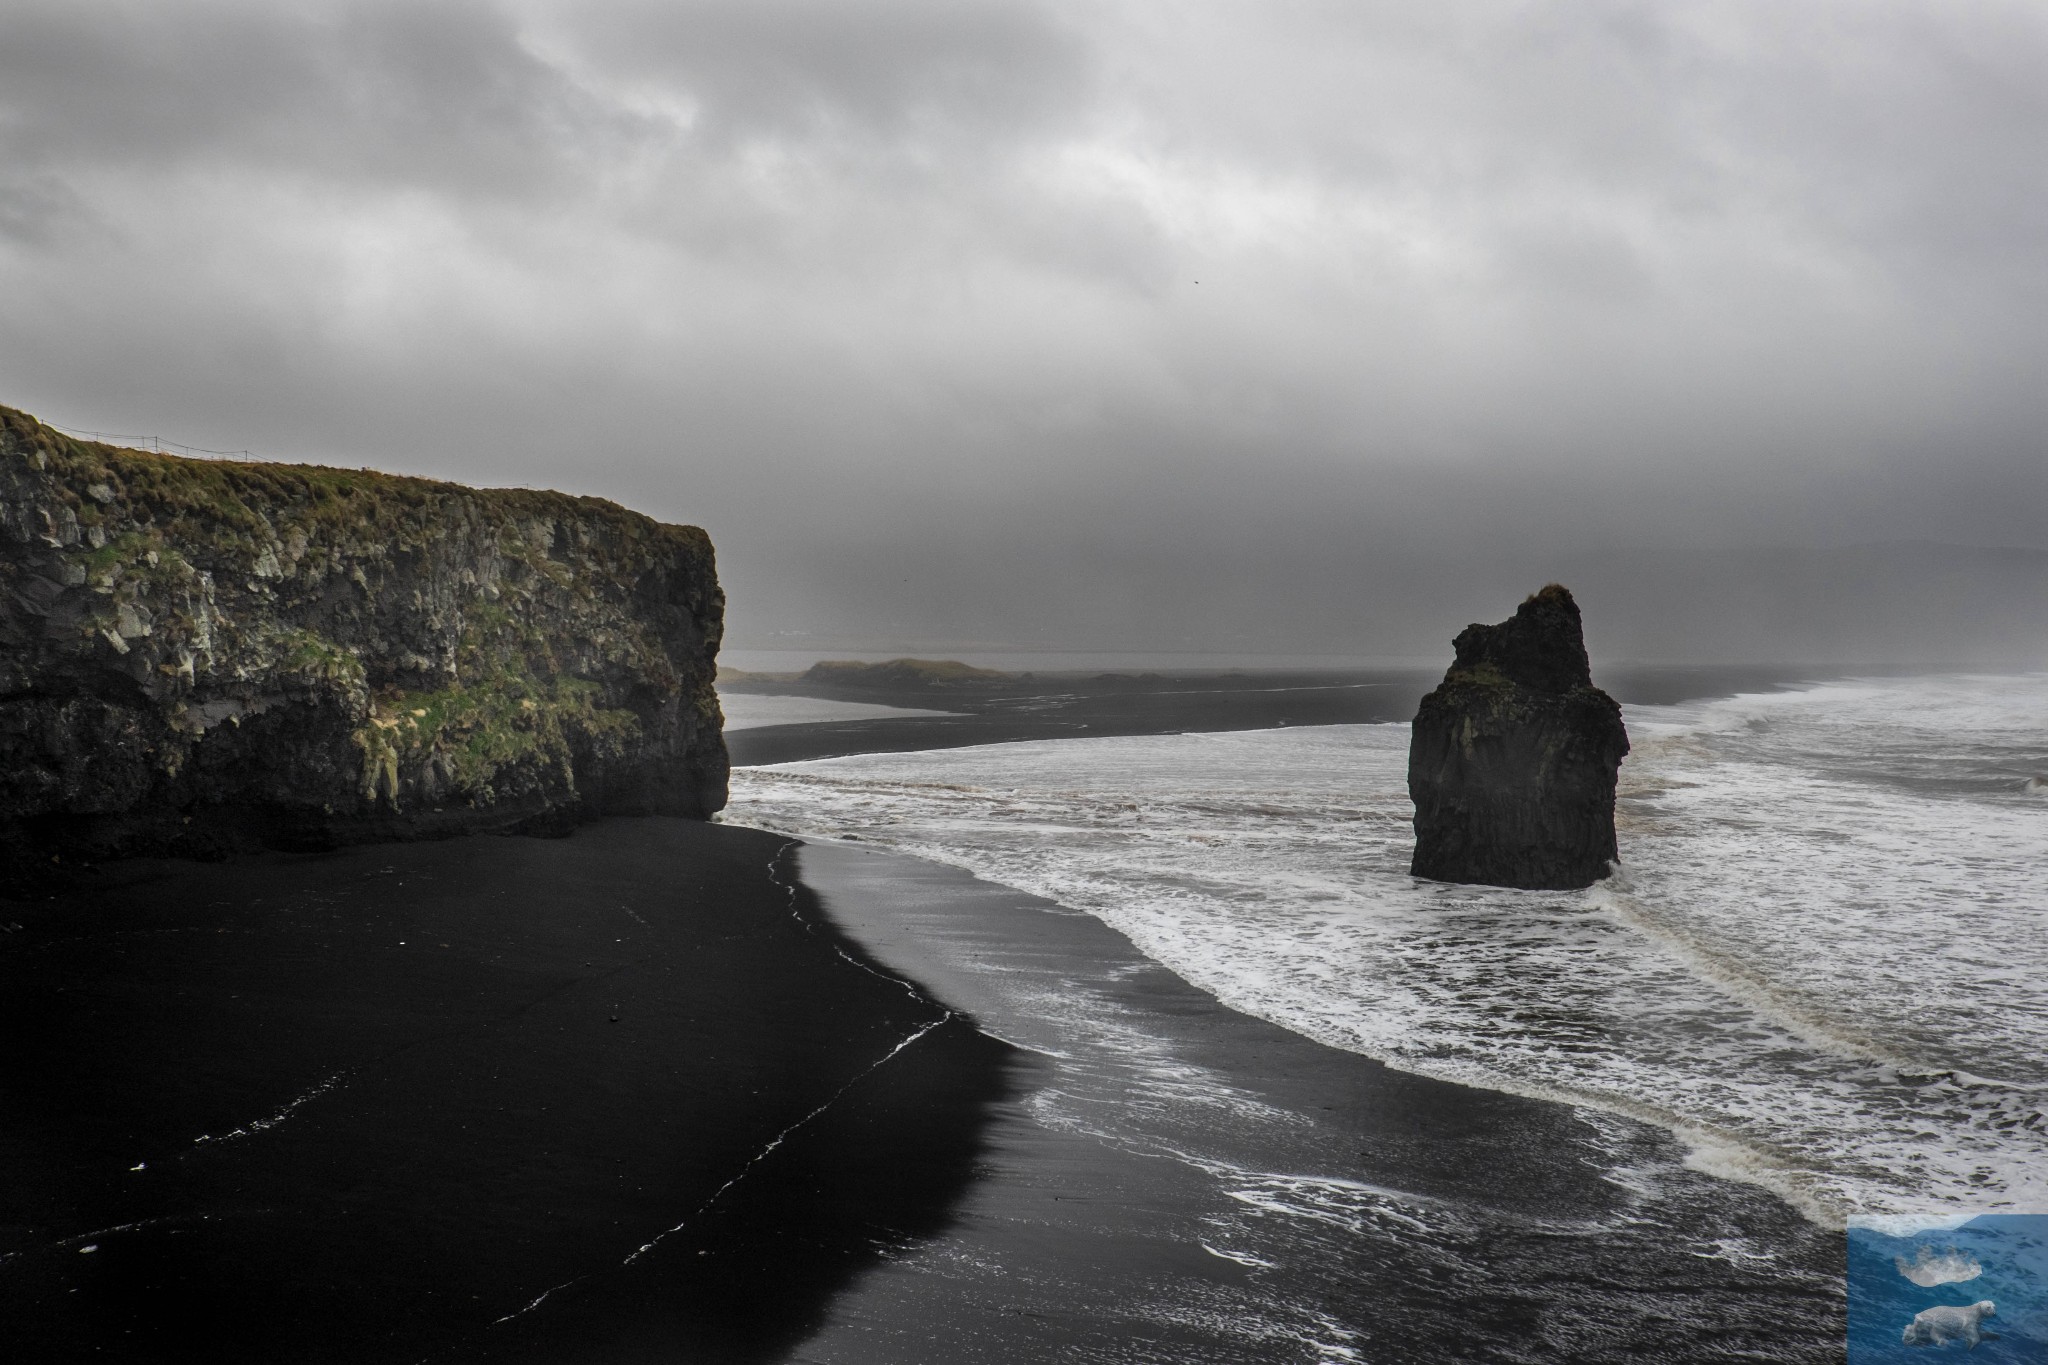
746 1169
780 1138
89 1241
264 1125
789 888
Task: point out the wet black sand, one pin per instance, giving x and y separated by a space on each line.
1175 1181
369 1106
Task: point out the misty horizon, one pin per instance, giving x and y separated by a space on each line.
1037 326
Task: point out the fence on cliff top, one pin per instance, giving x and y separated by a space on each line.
157 444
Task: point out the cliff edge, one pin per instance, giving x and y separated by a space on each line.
1512 759
199 656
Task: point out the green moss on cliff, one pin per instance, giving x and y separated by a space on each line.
314 656
473 734
101 564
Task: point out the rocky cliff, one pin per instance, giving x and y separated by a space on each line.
1512 759
199 656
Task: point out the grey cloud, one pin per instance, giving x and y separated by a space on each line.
35 210
908 290
814 68
442 97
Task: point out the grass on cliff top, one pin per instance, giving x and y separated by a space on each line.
242 501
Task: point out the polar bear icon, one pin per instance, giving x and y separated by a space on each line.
1940 1326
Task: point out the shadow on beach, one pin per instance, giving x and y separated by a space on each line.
615 1097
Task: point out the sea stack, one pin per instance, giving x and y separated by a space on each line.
200 656
1512 759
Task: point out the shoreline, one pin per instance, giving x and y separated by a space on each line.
1721 1156
1797 1245
1069 706
1268 1197
1049 819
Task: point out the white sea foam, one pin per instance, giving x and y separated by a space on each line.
1929 1268
1823 965
265 1124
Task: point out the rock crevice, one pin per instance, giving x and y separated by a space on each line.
1512 759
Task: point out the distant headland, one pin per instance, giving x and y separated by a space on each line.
897 674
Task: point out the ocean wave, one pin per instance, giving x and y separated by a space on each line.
1821 966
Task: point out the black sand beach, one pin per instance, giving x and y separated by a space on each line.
373 1106
431 1101
1176 1181
1066 705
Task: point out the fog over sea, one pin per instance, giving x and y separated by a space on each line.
1819 965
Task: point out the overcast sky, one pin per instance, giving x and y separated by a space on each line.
1041 322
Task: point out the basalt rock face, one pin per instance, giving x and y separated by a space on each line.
1512 759
200 656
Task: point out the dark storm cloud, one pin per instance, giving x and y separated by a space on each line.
1034 313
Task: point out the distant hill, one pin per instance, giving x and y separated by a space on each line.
897 674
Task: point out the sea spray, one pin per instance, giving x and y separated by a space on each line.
1818 968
